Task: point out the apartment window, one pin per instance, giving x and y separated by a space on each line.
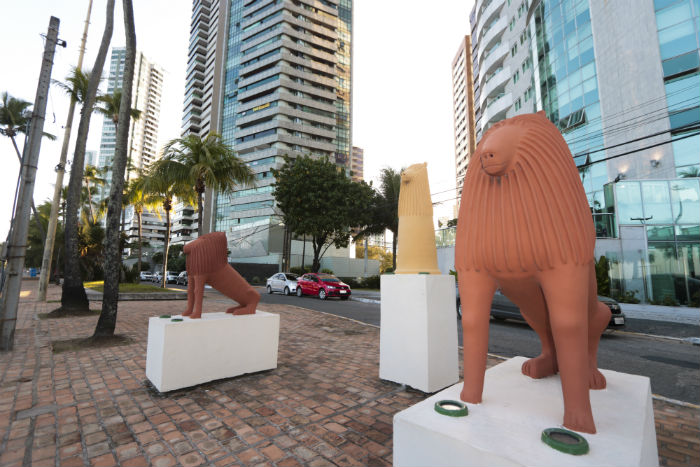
516 77
518 104
528 94
512 24
514 50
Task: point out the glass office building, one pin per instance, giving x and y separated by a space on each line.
627 101
277 83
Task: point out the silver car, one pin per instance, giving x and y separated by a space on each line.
284 282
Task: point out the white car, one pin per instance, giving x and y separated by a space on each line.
146 276
284 282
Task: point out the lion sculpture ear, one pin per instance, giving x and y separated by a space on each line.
541 112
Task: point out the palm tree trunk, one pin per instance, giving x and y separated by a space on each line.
112 251
166 245
92 215
138 218
393 248
73 296
200 212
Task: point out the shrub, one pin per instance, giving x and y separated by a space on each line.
130 275
326 271
299 271
351 281
370 282
255 280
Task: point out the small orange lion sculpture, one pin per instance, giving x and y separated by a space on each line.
525 227
207 263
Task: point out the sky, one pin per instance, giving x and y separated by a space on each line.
402 83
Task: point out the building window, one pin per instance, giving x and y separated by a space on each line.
516 77
518 104
514 50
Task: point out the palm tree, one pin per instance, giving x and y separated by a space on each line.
76 85
112 258
140 200
690 172
93 174
109 107
14 119
73 297
164 184
206 163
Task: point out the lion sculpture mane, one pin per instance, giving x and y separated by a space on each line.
525 227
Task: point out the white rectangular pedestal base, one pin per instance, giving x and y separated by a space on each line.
505 428
219 345
418 333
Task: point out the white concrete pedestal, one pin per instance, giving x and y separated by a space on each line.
418 334
505 428
219 345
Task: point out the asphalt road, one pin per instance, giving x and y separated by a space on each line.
672 364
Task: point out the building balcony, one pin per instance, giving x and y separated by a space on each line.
493 34
496 109
491 9
493 58
495 84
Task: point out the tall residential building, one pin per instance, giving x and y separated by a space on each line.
146 97
91 158
627 101
357 162
463 108
273 77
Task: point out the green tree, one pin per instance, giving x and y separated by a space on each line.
384 257
93 176
384 212
206 163
73 297
163 184
317 199
602 275
109 107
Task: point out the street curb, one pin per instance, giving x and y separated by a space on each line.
94 296
365 300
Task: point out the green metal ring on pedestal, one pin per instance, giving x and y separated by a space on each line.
451 408
565 441
164 316
176 320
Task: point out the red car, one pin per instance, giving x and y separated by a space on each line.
322 285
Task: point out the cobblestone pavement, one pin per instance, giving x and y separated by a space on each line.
323 405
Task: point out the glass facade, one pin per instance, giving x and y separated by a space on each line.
666 269
567 80
678 27
343 112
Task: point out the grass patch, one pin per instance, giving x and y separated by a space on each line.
129 288
72 345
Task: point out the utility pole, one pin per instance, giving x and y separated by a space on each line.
60 171
17 245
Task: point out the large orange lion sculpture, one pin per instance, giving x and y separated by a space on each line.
207 263
525 227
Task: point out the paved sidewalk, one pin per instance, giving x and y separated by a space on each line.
323 405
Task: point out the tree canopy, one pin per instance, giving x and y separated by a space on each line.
317 199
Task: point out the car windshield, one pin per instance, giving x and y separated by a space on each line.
329 279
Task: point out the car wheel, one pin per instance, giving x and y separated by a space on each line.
286 290
299 292
322 294
269 289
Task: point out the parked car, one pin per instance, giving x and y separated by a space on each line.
323 286
171 277
182 278
503 308
157 277
284 282
146 276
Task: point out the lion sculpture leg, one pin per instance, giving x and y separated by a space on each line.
207 264
563 309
